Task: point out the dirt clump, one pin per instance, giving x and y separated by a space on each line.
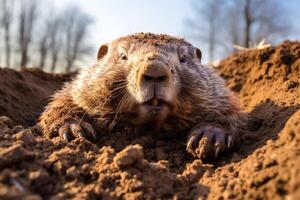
129 156
266 165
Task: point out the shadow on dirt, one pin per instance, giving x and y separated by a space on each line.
265 123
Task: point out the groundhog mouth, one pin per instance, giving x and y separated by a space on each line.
156 104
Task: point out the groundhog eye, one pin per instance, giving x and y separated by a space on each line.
183 59
123 56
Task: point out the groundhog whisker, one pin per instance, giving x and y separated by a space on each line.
120 85
84 114
120 104
115 93
121 80
121 88
125 101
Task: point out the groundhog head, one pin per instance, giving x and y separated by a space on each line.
146 75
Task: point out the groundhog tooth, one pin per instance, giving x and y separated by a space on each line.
155 102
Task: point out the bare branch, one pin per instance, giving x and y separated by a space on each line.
7 13
76 26
239 22
27 18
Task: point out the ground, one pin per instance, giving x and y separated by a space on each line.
265 165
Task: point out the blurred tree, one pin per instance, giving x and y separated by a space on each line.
75 26
55 46
237 22
1 19
260 20
210 12
44 44
27 19
46 39
6 22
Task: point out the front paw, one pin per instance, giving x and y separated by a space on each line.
209 141
75 129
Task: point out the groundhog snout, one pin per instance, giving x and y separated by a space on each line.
154 81
154 72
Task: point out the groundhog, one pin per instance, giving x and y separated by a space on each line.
147 83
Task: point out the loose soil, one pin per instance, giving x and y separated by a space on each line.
266 165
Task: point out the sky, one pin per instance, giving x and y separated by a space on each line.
114 18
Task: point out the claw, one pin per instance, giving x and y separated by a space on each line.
77 130
69 131
195 138
18 185
229 141
67 136
90 130
217 151
189 144
65 132
80 134
201 152
209 141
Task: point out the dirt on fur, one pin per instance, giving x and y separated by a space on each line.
266 165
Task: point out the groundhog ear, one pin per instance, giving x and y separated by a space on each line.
102 51
198 53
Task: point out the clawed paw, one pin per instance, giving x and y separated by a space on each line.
72 130
209 141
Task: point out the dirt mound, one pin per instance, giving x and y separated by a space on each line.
265 165
23 94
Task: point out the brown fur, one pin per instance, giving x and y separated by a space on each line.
104 94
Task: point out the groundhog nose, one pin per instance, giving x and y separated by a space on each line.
155 72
